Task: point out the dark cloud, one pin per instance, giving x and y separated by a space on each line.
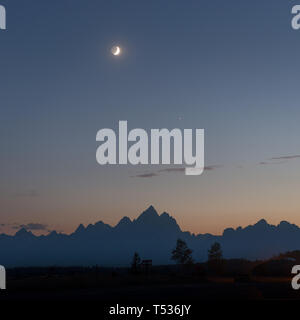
210 168
290 157
207 168
170 170
278 160
266 163
145 175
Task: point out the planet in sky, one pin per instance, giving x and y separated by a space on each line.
116 50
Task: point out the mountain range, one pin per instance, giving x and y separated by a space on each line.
152 235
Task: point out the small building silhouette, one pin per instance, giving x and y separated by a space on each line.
146 266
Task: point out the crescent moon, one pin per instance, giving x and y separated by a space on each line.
116 51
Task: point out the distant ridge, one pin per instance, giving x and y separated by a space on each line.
151 234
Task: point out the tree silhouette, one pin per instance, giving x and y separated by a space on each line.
182 254
215 252
136 263
215 264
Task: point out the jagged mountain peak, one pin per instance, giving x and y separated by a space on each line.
262 222
52 234
151 221
148 214
23 232
98 226
165 214
80 228
228 232
285 225
125 221
168 219
154 234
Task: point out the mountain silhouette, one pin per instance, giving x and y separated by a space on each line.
152 235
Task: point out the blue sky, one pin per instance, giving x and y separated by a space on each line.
228 67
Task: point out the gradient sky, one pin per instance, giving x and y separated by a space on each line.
230 67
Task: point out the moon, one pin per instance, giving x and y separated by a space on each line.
116 50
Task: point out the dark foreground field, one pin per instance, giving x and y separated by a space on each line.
163 292
158 286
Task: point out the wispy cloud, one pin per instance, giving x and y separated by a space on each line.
267 163
145 175
213 167
288 157
207 168
279 160
170 170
